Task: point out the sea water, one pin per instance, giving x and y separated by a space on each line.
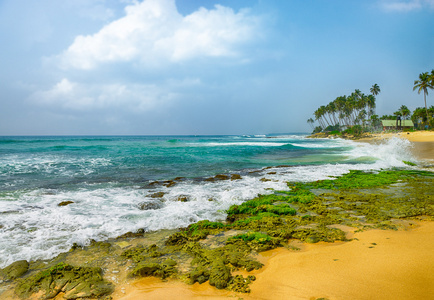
112 182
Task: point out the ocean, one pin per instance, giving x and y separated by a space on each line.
117 184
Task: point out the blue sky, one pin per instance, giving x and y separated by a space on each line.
106 67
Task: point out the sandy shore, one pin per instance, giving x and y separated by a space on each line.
378 264
423 142
417 136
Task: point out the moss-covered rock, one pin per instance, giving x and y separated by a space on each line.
320 233
235 177
162 270
220 275
177 239
218 178
241 284
74 282
140 253
65 203
257 241
199 274
15 270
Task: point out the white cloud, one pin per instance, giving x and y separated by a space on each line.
83 97
154 32
405 6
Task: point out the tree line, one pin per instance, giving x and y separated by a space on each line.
346 111
356 112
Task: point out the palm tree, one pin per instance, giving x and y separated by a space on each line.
318 117
375 90
311 121
431 76
370 103
405 112
424 82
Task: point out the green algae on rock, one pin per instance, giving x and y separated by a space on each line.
240 284
15 270
155 268
74 282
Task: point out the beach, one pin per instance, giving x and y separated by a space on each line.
378 265
358 261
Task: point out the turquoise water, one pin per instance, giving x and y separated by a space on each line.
71 162
112 182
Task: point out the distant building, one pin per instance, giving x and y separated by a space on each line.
396 124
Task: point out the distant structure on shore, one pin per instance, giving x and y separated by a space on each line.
397 124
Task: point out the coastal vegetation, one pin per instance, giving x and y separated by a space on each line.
355 114
347 112
216 251
425 82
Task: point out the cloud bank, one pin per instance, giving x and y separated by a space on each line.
149 52
153 32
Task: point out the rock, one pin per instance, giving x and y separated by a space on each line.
178 238
150 205
163 270
235 176
220 275
183 198
15 270
264 179
218 177
103 246
74 282
169 183
312 239
240 284
199 274
157 195
129 234
65 203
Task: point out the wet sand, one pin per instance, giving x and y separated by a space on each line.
378 264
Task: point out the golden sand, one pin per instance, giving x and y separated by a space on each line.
416 136
378 264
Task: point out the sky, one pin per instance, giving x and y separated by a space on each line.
203 67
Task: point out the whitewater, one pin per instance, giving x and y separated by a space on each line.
116 184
